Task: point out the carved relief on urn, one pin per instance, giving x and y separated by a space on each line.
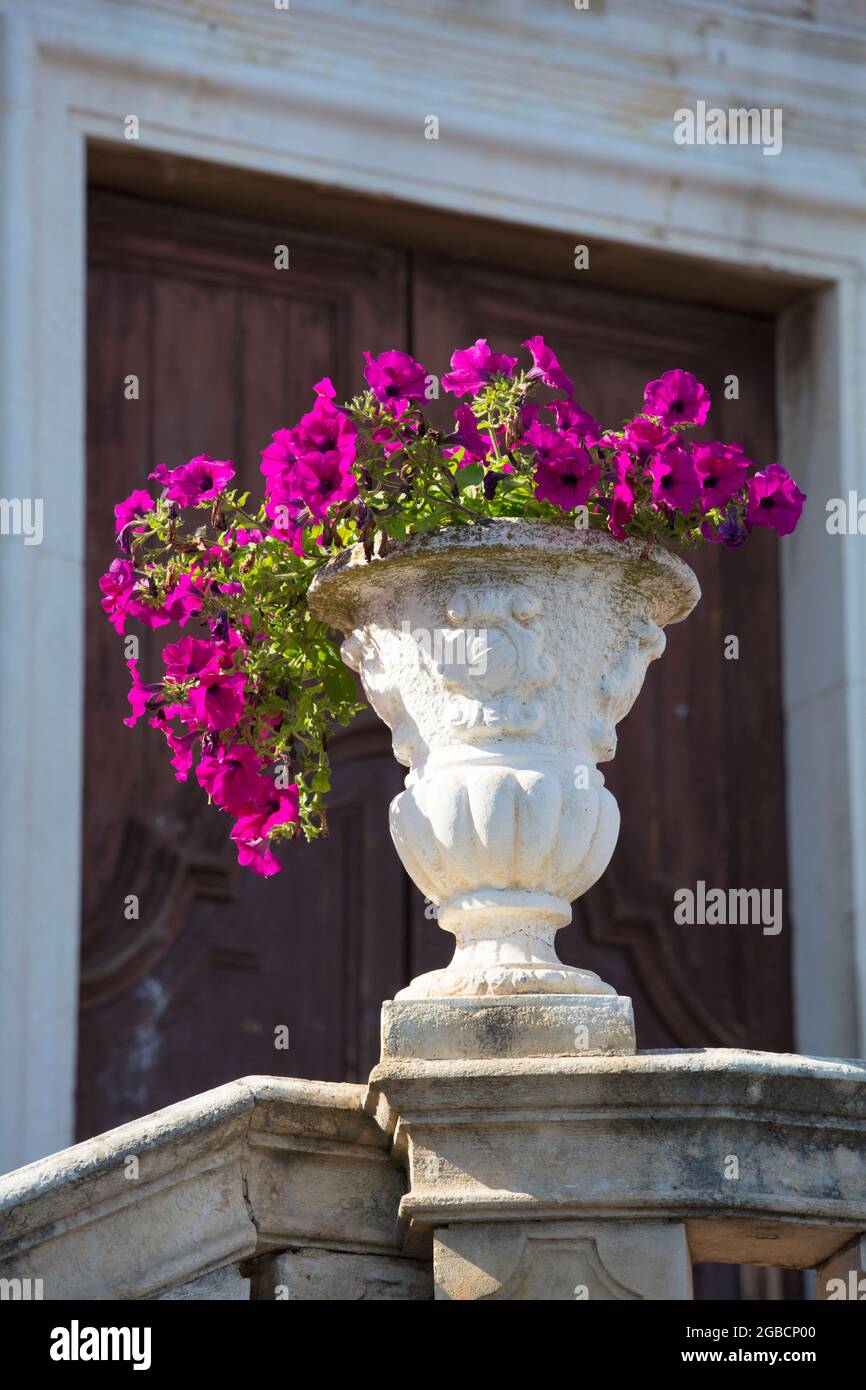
502 658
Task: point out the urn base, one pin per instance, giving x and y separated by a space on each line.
539 1025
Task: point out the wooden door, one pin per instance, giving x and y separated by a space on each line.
226 349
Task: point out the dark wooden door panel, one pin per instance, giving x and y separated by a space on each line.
699 773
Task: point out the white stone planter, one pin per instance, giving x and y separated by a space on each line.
502 657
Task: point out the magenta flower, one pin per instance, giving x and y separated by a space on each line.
566 477
189 657
278 460
286 525
395 379
622 497
233 779
475 446
200 480
675 480
475 367
773 499
250 833
549 444
323 430
254 851
182 602
677 398
132 508
181 745
722 470
119 600
324 480
570 416
529 413
141 697
644 437
218 700
545 366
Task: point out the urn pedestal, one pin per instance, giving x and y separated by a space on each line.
502 657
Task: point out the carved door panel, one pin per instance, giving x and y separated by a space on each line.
699 773
225 349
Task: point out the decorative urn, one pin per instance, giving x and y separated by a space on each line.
502 656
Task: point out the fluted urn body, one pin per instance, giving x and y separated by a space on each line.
502 657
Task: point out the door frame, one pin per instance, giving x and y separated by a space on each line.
69 79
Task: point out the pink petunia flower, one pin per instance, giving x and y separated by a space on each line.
549 444
200 480
475 445
189 657
674 478
677 398
132 508
722 470
545 366
395 379
182 601
566 477
324 480
773 499
286 526
118 587
218 700
644 437
234 779
141 697
622 497
250 833
475 367
572 417
325 429
181 745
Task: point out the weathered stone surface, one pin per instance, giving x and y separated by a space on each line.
226 1285
761 1156
502 658
254 1165
563 1260
345 1276
525 1025
532 1175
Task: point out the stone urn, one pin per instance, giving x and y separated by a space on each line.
502 656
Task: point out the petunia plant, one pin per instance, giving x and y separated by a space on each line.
245 704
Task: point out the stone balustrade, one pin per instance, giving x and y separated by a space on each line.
472 1166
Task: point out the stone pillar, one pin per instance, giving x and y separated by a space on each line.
483 1145
546 1159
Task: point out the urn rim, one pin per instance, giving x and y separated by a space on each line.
339 589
